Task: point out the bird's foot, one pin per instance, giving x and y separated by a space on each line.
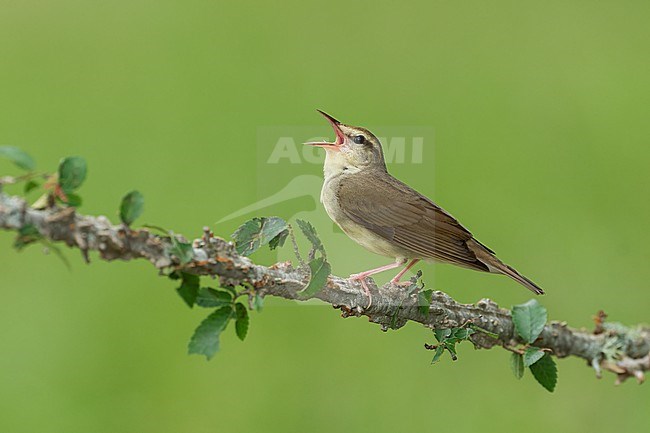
362 279
401 283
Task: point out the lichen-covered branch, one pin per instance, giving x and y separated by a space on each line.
624 351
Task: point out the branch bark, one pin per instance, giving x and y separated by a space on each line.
392 306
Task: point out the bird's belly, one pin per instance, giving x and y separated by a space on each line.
372 241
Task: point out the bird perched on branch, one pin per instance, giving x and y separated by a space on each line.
391 219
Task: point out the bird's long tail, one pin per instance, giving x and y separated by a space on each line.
512 273
487 257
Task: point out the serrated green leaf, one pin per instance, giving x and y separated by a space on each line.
30 186
279 240
211 298
436 356
253 234
462 333
532 355
72 173
241 322
529 319
310 233
231 290
189 288
441 334
517 365
258 303
27 234
19 157
131 207
320 270
205 340
182 250
424 300
545 372
450 345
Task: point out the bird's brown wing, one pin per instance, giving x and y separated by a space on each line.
401 215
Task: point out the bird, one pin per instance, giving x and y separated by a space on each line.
387 217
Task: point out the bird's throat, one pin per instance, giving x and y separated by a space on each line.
337 164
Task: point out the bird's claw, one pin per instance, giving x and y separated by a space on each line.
362 279
402 283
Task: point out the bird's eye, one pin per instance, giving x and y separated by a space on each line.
359 139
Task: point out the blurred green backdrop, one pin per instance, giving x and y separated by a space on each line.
541 148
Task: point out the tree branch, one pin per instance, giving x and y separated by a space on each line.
624 351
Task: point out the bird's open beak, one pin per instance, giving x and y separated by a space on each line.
339 134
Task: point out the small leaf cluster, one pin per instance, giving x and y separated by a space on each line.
273 231
529 319
257 232
60 186
319 267
447 340
71 175
206 338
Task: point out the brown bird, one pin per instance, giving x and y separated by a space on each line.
391 219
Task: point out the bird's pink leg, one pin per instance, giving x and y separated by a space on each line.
361 277
364 275
403 271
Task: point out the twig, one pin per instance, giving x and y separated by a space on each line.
392 308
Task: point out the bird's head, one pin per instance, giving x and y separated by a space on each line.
354 147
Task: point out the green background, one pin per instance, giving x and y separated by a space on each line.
541 128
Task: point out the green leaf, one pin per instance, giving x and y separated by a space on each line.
310 233
529 319
74 200
131 207
439 351
27 234
18 157
320 270
532 355
451 347
30 186
545 372
189 288
205 340
278 241
462 333
253 234
182 250
517 365
231 290
258 302
210 298
424 300
441 334
72 173
241 323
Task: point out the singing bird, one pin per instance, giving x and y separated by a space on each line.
391 219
